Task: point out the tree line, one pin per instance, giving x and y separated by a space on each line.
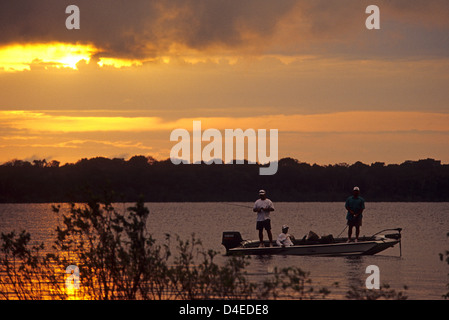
162 181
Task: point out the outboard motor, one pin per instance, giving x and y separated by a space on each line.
231 239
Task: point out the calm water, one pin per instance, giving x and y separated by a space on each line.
425 226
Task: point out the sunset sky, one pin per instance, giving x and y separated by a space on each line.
136 70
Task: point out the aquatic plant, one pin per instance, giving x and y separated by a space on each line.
383 293
445 257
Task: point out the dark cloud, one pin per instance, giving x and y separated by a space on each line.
141 27
409 29
146 28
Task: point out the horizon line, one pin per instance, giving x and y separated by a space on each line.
151 160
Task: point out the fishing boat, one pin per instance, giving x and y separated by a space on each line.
324 246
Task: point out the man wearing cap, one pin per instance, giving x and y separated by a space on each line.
284 239
263 207
355 206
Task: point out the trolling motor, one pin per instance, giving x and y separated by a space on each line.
396 236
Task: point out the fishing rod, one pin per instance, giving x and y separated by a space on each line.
240 205
342 231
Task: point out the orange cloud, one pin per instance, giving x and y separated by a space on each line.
321 138
354 121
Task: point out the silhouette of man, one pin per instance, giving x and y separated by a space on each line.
263 207
355 206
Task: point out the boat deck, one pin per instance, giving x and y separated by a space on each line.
329 247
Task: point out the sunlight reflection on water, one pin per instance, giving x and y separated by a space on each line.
425 226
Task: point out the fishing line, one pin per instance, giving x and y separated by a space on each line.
239 205
342 231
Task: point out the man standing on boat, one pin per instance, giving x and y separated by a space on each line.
263 207
355 206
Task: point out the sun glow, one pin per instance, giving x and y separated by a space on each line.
19 57
118 63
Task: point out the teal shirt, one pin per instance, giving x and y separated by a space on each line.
355 204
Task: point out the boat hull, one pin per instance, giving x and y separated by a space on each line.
332 249
329 249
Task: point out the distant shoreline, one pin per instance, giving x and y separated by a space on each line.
424 180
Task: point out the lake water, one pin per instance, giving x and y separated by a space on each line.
425 226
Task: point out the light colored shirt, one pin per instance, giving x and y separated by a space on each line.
284 240
264 204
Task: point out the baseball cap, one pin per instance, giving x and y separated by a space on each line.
356 189
261 191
